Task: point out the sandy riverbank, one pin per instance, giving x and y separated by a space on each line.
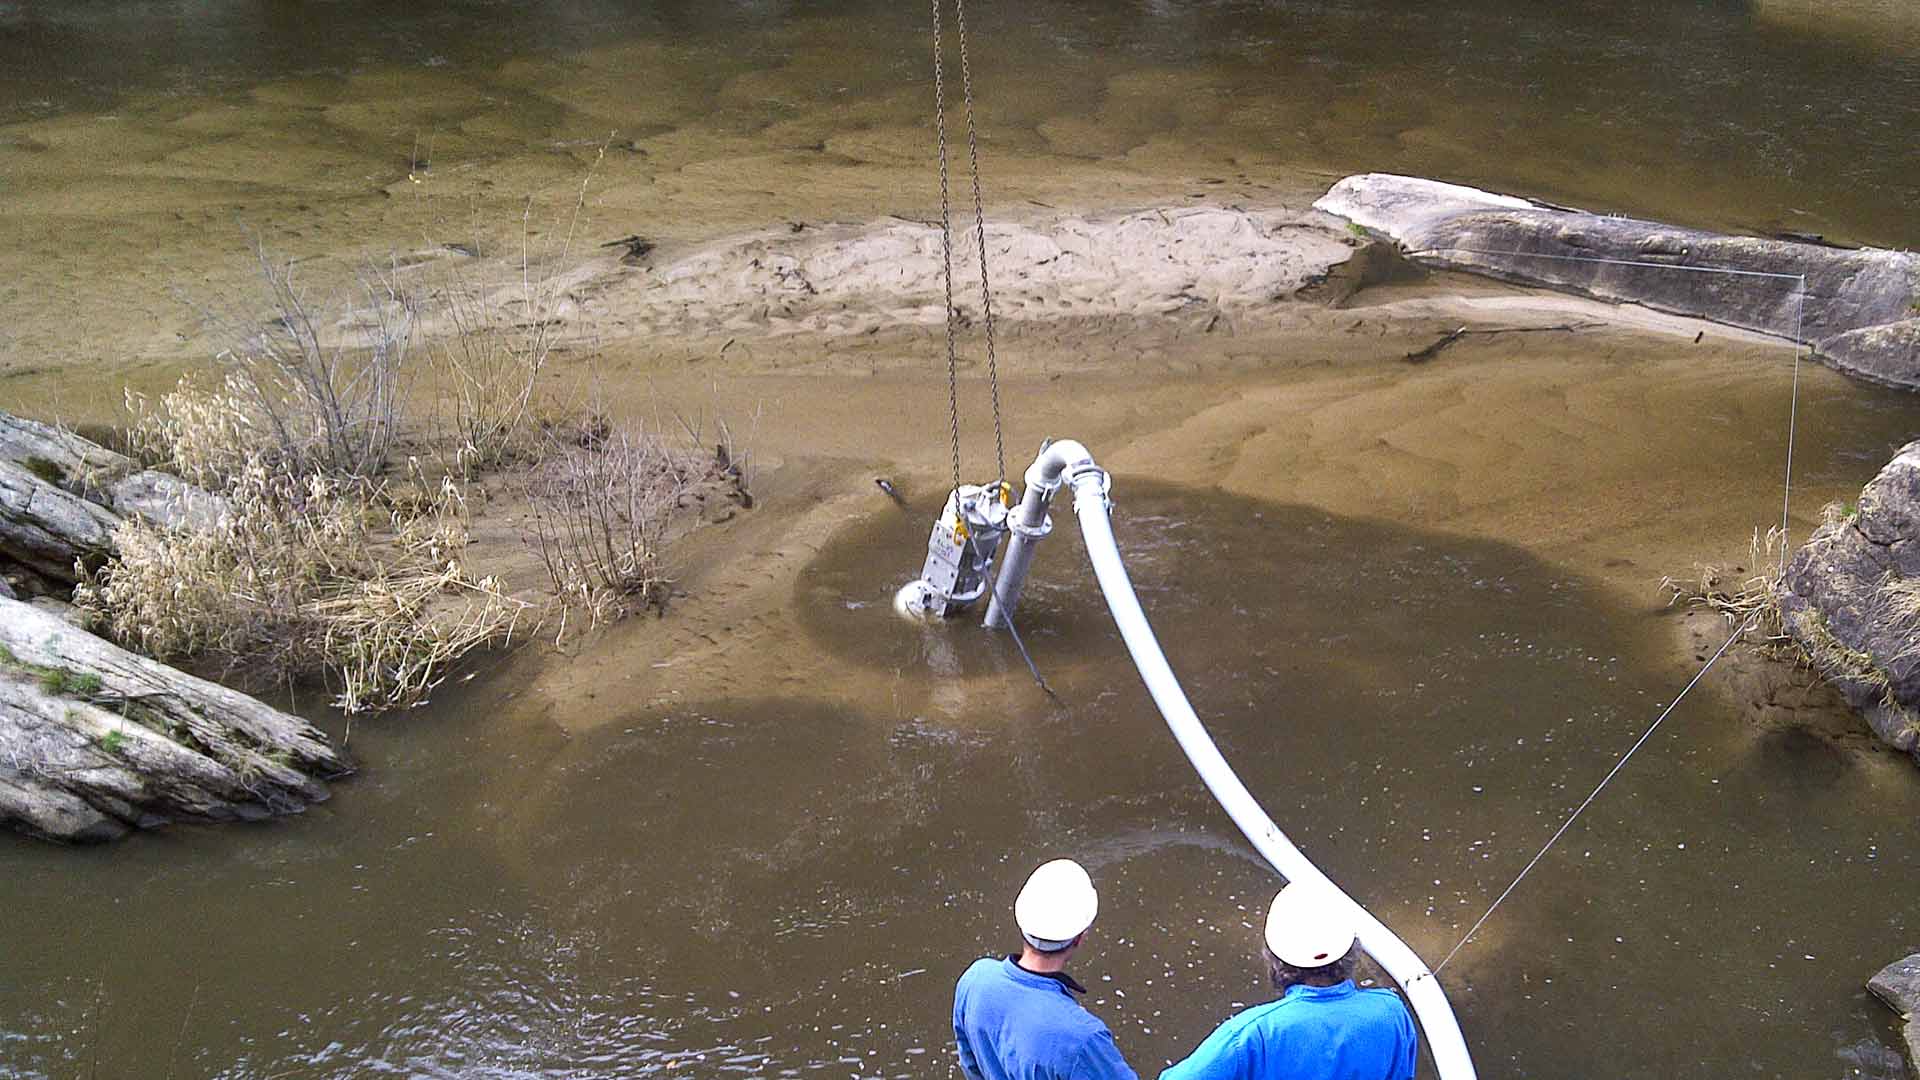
1221 348
1622 451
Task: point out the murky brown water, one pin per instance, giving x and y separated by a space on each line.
784 879
760 887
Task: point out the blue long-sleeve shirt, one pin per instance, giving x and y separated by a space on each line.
1014 1024
1312 1033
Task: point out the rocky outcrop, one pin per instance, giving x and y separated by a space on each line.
1898 984
96 741
62 497
1860 310
47 529
85 469
1851 598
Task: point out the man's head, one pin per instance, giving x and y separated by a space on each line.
1309 938
1056 907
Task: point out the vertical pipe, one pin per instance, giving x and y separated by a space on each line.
1028 524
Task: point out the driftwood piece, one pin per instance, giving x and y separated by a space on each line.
1421 356
90 471
95 740
1855 307
46 528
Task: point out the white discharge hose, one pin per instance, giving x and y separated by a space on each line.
1444 1040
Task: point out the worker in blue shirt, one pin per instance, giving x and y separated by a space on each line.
1016 1018
1322 1027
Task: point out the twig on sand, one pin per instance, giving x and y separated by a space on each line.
1451 336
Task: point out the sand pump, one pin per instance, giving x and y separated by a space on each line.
960 553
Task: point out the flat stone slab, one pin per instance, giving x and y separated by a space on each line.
1898 984
1858 309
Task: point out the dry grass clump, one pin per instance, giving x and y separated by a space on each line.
1805 637
1754 597
307 574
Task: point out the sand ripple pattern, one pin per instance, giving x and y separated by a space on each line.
842 279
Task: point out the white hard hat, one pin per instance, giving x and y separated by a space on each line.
1056 905
1308 926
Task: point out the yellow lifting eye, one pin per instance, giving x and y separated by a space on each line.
1006 494
959 532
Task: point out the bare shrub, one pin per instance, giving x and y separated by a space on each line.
605 502
731 451
319 381
501 336
486 371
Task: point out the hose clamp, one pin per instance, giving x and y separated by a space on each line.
1088 468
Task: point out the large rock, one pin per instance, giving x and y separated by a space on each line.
47 529
1858 309
57 455
1898 984
1851 598
95 740
90 471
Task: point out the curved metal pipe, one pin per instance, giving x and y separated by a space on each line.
1070 461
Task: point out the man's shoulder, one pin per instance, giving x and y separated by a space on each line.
984 968
1383 999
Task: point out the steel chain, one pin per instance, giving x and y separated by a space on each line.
980 237
946 244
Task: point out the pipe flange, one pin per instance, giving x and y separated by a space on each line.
1032 532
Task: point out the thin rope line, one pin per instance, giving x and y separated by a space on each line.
1007 615
1588 801
1619 262
946 243
980 234
1793 415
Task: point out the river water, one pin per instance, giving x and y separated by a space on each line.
767 882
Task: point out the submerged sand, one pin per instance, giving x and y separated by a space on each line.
1258 361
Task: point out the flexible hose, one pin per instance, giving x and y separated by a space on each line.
1444 1039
